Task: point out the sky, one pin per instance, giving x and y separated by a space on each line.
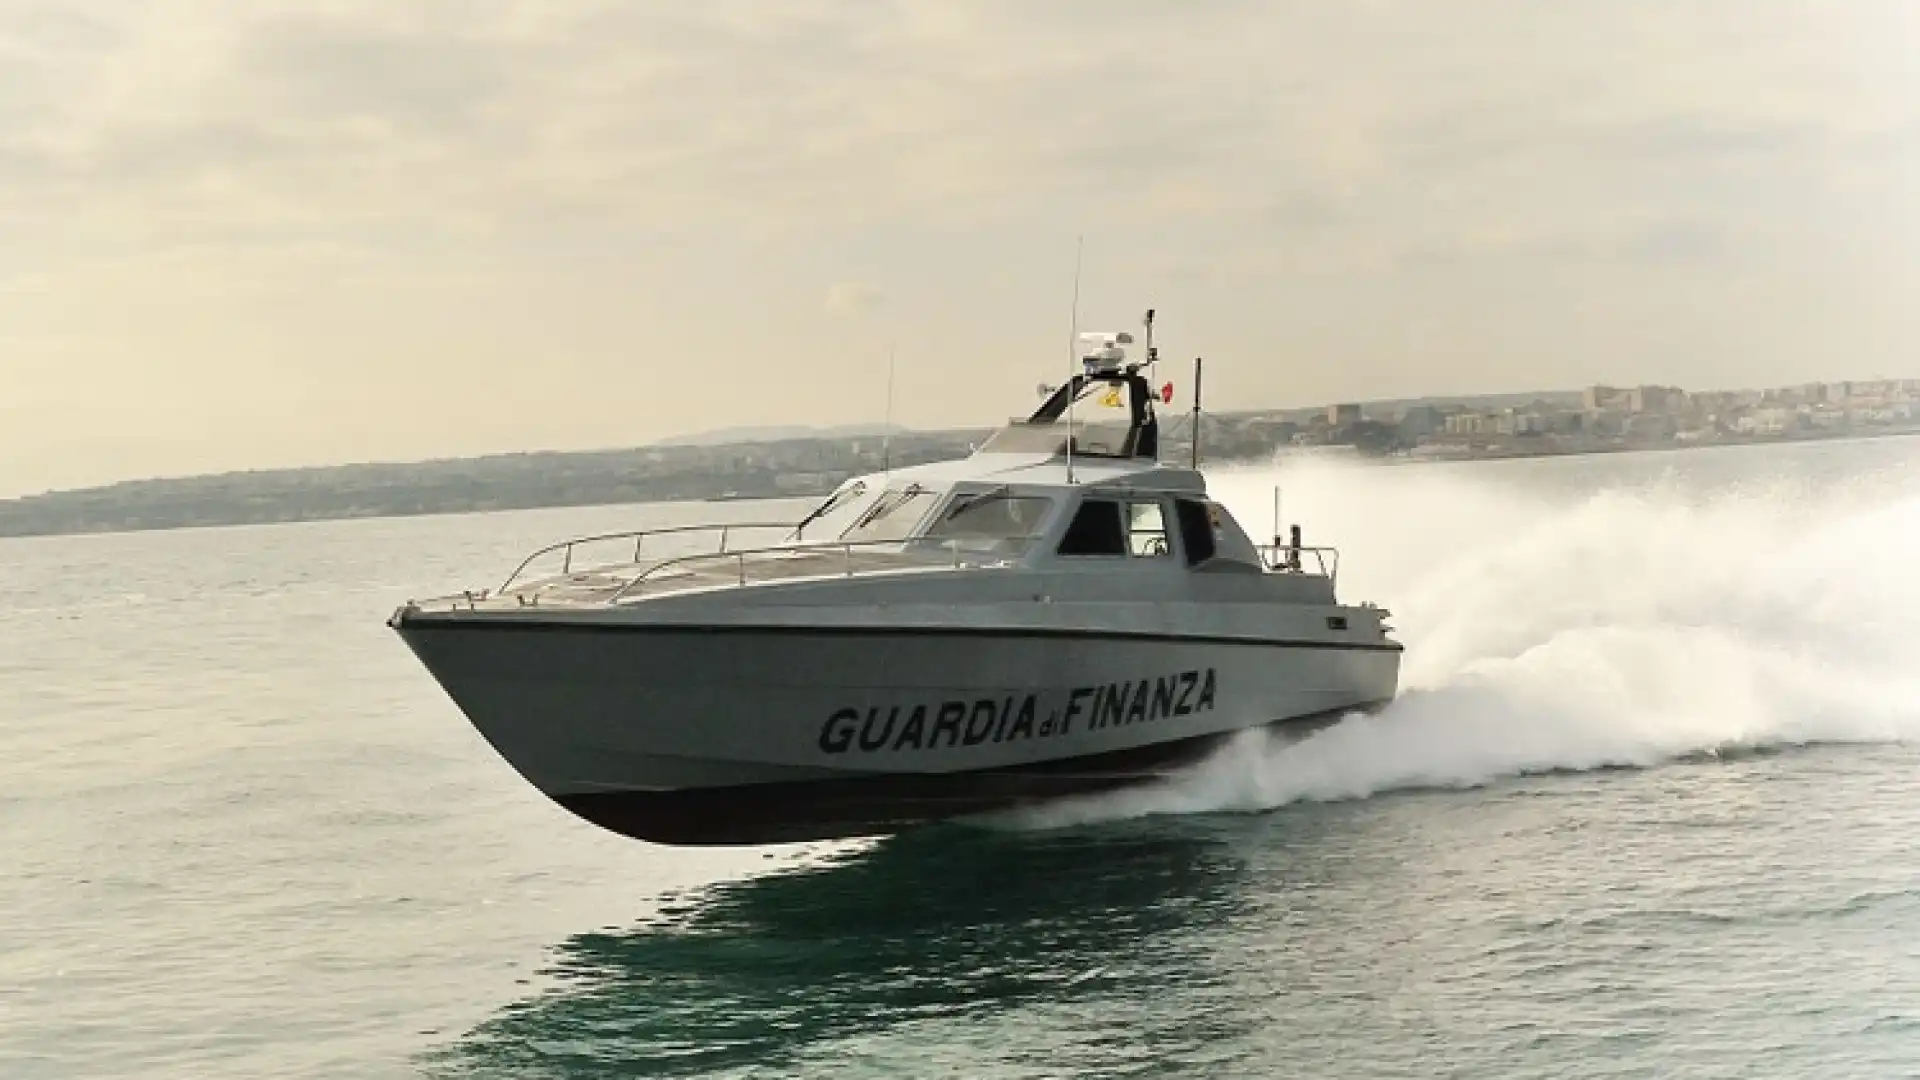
243 234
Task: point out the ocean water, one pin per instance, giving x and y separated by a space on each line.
1649 806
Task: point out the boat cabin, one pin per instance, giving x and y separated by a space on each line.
1078 480
1039 519
1077 485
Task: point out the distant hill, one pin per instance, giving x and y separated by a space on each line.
747 462
810 465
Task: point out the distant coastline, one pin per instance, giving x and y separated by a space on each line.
1515 454
1598 420
784 468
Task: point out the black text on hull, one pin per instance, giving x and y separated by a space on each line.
880 805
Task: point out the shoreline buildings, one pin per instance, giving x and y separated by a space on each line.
1598 418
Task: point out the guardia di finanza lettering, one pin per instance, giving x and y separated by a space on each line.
973 723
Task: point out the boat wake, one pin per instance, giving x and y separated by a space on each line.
1559 629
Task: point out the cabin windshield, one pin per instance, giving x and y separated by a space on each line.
995 520
892 516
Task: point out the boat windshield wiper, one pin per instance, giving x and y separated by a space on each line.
852 491
887 504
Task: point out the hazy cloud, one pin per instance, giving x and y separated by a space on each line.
348 229
853 298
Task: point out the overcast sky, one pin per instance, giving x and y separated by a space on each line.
241 234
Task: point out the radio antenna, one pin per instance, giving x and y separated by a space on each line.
886 429
1196 412
1073 337
1153 362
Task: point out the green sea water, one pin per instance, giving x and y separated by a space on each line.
1646 808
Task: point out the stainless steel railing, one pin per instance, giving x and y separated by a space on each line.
914 556
566 548
1287 559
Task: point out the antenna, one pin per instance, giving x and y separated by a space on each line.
886 430
1153 354
1196 412
1153 358
1073 336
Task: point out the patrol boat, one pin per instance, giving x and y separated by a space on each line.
1057 614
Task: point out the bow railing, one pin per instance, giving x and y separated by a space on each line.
896 556
567 548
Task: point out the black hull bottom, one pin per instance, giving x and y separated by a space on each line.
880 805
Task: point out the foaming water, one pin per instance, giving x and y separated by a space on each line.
1666 615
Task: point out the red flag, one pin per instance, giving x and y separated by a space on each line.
1166 393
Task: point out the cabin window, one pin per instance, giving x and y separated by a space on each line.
1095 530
1196 530
991 515
1146 530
